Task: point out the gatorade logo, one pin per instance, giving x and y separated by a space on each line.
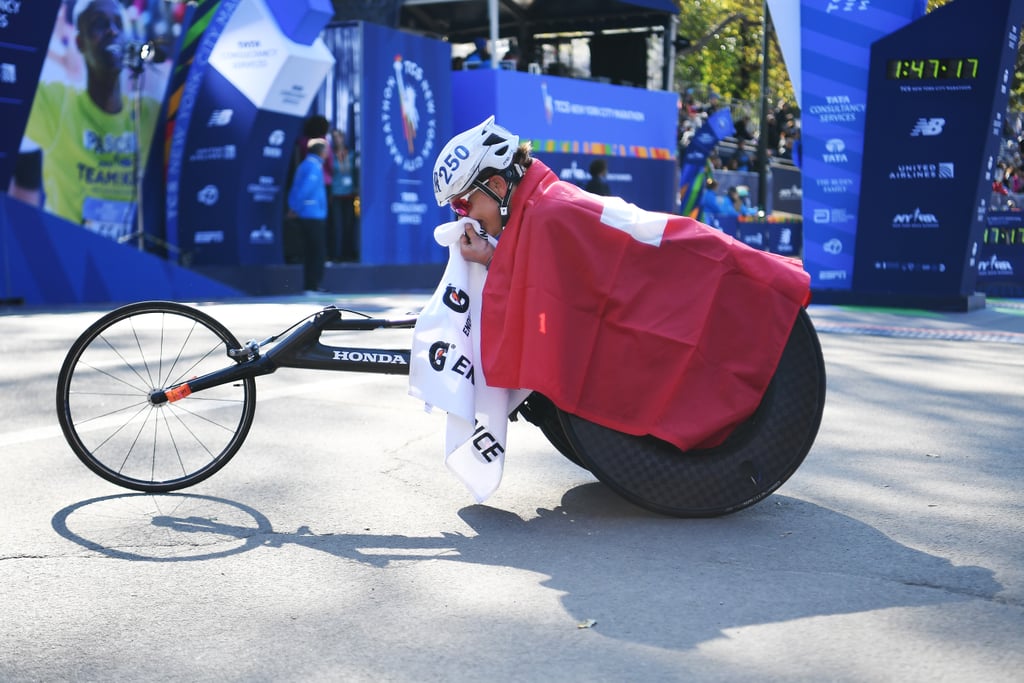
438 355
456 299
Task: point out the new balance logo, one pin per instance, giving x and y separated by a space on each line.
928 127
220 117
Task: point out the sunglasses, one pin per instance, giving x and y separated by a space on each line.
461 205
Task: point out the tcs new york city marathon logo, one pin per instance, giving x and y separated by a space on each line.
409 116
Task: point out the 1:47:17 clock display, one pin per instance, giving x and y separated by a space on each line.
929 69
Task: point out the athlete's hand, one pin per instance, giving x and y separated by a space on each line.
475 248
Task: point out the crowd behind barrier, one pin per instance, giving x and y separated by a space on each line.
1008 183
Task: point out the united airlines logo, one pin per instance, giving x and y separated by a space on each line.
944 170
409 116
928 127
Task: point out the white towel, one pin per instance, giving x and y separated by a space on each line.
445 371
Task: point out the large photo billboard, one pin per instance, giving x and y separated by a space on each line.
97 104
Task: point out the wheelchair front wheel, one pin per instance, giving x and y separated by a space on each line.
111 423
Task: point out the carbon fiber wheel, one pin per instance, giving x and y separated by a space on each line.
753 462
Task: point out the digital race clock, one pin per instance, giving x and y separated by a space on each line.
928 69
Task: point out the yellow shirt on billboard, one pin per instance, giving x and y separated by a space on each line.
90 169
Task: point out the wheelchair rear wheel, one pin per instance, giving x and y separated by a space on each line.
756 459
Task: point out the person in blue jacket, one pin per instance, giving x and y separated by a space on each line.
307 205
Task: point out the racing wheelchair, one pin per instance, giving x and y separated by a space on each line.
158 396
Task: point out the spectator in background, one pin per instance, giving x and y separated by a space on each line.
513 55
744 129
480 57
734 204
715 159
741 157
1013 179
317 126
307 205
598 183
789 146
342 211
710 202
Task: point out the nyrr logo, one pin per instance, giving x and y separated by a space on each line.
456 299
917 219
409 116
928 127
995 266
791 192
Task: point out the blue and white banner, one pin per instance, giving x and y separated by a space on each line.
247 94
835 41
405 120
569 122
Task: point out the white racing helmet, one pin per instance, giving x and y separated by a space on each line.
480 152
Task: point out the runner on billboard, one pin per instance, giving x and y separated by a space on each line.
94 131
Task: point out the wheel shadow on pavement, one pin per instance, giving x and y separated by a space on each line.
641 577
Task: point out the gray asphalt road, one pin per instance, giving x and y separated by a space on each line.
335 546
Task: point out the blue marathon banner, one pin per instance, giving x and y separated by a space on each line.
248 90
941 86
25 33
571 122
404 122
835 37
